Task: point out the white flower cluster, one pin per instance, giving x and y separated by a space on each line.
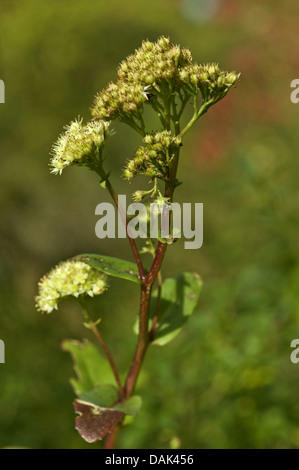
75 145
68 278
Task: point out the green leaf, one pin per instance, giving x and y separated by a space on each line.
179 297
103 396
131 406
91 367
111 266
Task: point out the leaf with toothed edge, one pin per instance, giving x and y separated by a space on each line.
111 266
91 367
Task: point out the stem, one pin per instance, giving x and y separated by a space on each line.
93 327
156 266
155 318
113 194
143 340
133 124
166 101
184 102
176 119
156 107
126 222
203 109
111 438
145 336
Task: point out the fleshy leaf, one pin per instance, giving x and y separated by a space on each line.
91 367
93 422
111 266
179 297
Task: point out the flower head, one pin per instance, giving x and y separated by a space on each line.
154 67
75 146
154 158
68 278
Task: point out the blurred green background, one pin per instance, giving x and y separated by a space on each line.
227 381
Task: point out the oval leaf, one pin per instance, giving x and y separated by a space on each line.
131 406
111 266
179 297
103 396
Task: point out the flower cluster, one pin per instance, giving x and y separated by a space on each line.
75 145
119 100
152 68
69 278
154 63
211 81
155 157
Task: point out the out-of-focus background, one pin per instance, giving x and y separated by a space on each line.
227 381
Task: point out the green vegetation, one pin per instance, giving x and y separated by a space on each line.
227 380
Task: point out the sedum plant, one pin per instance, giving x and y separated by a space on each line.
164 77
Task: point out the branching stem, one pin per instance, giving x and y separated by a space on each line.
93 327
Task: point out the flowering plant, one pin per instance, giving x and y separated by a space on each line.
162 76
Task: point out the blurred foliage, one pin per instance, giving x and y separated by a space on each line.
227 380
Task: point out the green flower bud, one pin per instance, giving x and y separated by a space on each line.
128 174
163 42
151 172
147 139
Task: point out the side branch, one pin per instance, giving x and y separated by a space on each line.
134 248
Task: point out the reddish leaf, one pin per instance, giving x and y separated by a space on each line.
93 422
